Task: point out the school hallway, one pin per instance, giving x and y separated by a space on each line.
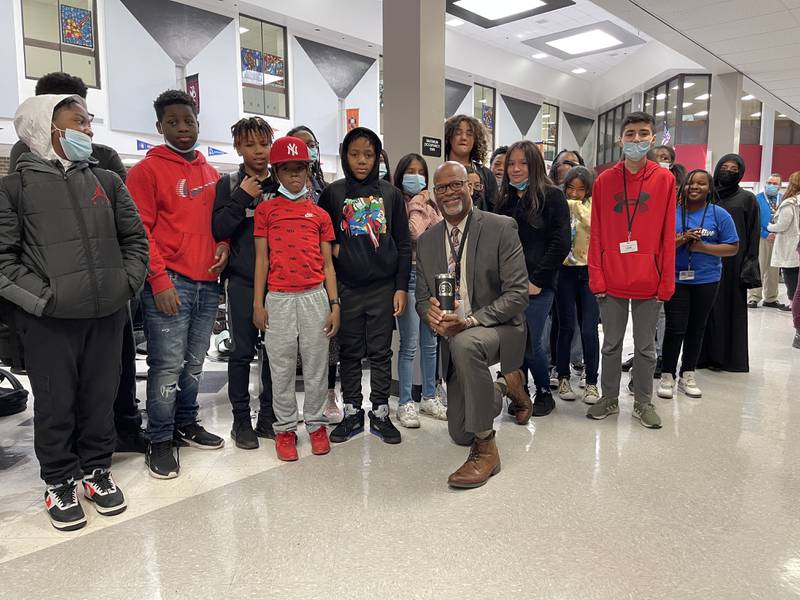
706 507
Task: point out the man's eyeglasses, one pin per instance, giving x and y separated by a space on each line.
453 186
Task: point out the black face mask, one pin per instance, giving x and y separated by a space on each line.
727 178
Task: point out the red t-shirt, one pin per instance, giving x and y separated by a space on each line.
294 230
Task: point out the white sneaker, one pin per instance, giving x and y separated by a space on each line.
582 383
666 386
407 415
553 378
332 409
441 393
592 394
688 385
433 407
565 389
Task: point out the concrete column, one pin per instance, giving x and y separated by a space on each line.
413 76
725 116
767 141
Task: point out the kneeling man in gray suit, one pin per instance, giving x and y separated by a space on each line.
483 252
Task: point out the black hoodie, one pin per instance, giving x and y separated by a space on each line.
371 224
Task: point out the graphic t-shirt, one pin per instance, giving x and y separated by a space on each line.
580 212
718 228
294 230
364 216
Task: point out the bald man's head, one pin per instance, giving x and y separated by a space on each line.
451 191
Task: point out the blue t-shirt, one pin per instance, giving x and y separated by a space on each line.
718 228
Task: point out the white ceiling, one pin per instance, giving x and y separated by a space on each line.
509 37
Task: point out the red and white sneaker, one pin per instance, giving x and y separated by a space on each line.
286 445
63 508
104 493
319 441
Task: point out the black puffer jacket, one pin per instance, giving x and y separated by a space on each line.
72 245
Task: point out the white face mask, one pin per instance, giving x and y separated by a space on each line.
666 165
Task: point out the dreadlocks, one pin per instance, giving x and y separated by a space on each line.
251 126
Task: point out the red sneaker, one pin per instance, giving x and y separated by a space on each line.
285 445
319 441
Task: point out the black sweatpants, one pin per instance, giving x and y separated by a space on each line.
686 317
126 409
74 368
790 280
366 330
245 341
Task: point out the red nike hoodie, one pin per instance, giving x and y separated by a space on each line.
175 200
650 271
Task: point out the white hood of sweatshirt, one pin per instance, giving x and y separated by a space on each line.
34 123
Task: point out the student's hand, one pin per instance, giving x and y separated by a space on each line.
434 314
167 302
251 186
221 256
333 321
771 237
400 300
260 317
694 235
533 290
451 325
335 250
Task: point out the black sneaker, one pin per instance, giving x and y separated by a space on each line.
384 428
243 434
659 368
776 304
131 441
752 304
101 489
543 404
351 425
63 508
196 436
627 365
161 461
264 426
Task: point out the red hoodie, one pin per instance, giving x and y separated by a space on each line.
650 271
175 200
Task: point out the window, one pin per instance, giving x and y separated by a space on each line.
750 130
61 36
609 125
680 107
787 132
264 68
549 131
484 110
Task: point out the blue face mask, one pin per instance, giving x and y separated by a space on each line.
180 151
313 154
413 184
520 185
771 189
286 193
635 151
77 146
382 170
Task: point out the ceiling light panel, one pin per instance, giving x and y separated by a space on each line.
586 40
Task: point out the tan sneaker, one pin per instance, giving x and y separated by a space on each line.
647 415
604 408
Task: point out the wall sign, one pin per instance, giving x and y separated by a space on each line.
431 146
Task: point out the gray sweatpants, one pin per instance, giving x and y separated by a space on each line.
614 315
293 317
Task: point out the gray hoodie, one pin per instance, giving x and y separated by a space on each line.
72 245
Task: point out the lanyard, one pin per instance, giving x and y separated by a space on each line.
457 255
628 214
684 217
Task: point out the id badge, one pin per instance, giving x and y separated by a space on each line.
628 247
685 275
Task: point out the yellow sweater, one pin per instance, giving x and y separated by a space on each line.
581 218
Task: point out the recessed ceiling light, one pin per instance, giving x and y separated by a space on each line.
756 114
454 22
661 96
243 30
675 87
782 116
701 113
483 100
703 97
748 97
498 10
579 71
688 84
660 113
687 104
587 41
539 56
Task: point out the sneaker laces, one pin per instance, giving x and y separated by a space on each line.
591 390
101 479
65 494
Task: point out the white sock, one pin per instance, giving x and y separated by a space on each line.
484 434
382 411
349 410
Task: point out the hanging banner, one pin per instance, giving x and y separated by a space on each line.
352 118
140 145
215 151
193 89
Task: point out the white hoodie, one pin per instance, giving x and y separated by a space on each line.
787 234
33 122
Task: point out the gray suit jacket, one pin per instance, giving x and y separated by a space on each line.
497 279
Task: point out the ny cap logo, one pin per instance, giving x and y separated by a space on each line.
292 149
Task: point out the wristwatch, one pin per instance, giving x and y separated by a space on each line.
471 322
334 301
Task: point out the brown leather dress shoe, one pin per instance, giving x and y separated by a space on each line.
482 463
516 392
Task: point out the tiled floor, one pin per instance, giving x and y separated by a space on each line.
706 507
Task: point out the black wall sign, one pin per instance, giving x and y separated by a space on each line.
431 146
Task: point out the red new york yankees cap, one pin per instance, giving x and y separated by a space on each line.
288 149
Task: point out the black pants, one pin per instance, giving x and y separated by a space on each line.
126 409
245 341
74 368
686 313
366 330
790 280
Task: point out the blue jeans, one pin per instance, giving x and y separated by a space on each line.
176 349
536 358
415 332
573 292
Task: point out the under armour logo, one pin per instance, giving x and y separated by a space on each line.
292 149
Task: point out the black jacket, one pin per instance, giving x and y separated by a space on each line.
106 157
72 244
371 224
545 238
232 220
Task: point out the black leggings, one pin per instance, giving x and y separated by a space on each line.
790 279
687 313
